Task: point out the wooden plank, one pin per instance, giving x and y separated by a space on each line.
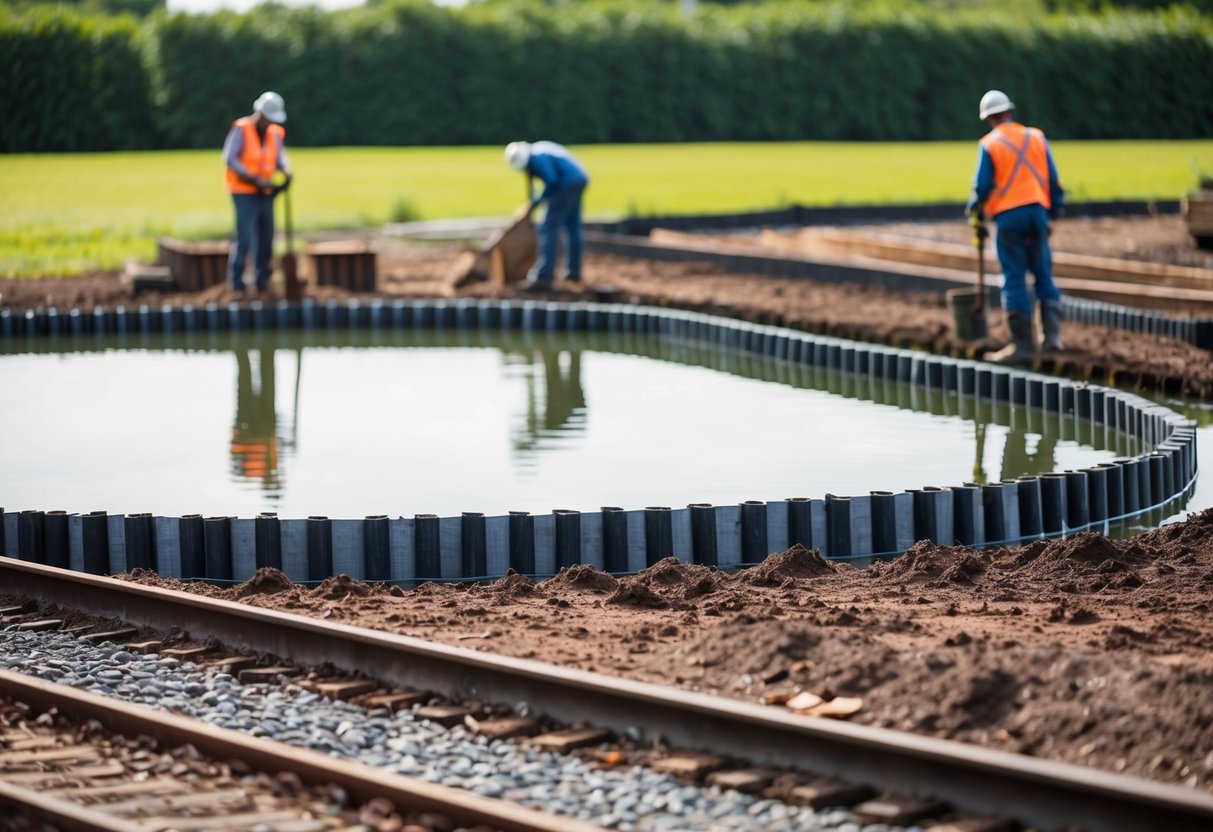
46 779
513 250
345 689
269 819
445 715
117 636
171 803
826 792
393 701
689 765
184 654
503 728
49 755
158 786
259 675
570 739
896 810
746 781
41 625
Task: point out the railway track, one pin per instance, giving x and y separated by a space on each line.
915 778
76 761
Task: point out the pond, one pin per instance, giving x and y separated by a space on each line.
349 424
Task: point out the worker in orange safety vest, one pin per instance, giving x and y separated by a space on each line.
254 150
1017 184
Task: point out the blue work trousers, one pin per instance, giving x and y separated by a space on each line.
563 214
1023 246
255 231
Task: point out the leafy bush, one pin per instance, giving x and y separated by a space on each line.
404 72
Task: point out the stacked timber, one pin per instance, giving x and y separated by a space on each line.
1197 209
194 266
349 264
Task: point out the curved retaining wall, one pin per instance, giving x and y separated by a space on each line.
1196 331
425 546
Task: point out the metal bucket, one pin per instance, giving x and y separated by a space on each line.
970 325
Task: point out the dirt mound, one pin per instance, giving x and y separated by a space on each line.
929 562
581 577
341 586
635 593
797 562
1196 532
512 585
1087 554
670 582
265 581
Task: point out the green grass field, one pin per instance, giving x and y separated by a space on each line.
70 213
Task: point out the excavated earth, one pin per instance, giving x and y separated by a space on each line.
1086 650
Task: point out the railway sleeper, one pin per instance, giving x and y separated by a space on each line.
690 767
57 759
600 746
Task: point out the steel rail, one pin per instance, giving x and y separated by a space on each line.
63 815
314 768
1038 792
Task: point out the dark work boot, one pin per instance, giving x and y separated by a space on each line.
1050 322
1022 348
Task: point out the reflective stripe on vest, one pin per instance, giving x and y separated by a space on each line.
258 160
1021 167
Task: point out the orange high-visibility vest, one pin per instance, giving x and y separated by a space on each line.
258 159
1021 167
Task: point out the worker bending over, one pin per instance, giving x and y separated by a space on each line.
1017 184
564 183
255 148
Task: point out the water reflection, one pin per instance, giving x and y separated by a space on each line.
563 410
446 421
256 442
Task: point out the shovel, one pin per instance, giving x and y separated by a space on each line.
290 267
980 233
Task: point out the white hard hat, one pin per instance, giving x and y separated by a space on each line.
518 154
270 105
994 101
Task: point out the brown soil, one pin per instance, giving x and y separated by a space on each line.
865 313
1086 650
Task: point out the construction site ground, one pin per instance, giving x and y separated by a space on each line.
903 318
1086 650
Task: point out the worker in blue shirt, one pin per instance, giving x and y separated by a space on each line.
564 183
1017 184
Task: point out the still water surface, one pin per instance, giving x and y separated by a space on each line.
351 424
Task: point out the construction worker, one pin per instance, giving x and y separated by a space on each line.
254 150
564 183
1017 184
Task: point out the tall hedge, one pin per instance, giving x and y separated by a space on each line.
69 82
404 72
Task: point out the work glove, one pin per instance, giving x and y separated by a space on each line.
973 209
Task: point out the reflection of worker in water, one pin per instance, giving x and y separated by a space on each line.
1018 461
564 400
254 445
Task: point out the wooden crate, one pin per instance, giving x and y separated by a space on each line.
1198 213
195 266
346 263
512 251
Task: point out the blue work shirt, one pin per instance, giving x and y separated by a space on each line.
557 168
